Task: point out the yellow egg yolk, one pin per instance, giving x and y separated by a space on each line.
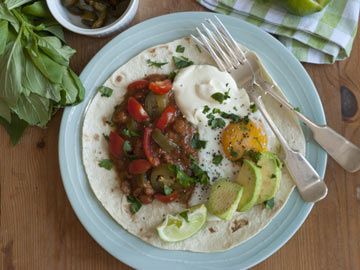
240 137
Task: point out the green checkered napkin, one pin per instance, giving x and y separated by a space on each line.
320 38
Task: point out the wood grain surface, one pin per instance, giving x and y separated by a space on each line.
39 229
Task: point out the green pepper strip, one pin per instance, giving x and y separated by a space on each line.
164 142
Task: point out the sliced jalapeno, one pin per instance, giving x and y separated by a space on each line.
155 104
161 175
164 142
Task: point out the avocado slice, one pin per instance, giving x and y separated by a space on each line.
250 178
224 198
271 176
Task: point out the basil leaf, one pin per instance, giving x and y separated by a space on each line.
38 9
196 143
180 49
182 62
3 34
10 4
11 70
217 159
107 164
70 90
167 190
156 64
269 204
7 15
56 30
185 215
5 111
53 48
105 91
15 129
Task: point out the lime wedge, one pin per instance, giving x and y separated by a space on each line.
304 7
176 228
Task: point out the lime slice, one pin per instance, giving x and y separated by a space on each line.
176 228
304 7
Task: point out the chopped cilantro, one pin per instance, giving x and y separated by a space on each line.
167 190
197 47
126 132
185 215
253 108
206 109
233 117
297 109
216 123
199 174
269 204
111 124
127 148
184 179
235 109
220 97
192 158
156 64
106 163
246 119
182 62
258 141
105 91
273 176
215 110
196 143
243 128
233 153
106 137
135 203
254 155
217 159
180 49
173 74
116 107
210 116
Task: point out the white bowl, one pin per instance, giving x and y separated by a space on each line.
73 23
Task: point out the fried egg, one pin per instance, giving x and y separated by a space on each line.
204 94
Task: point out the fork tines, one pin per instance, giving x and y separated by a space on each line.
221 45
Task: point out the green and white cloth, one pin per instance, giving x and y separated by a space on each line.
323 37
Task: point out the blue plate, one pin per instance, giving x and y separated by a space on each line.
287 72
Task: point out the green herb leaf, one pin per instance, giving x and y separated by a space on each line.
127 148
10 4
167 190
105 91
15 129
297 109
216 123
220 97
182 62
38 9
199 175
155 64
134 133
233 117
196 143
185 215
217 159
3 35
273 176
106 163
253 108
184 179
135 203
126 132
269 204
106 137
173 74
197 47
180 49
254 155
233 153
206 109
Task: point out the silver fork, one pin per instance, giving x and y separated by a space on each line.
232 59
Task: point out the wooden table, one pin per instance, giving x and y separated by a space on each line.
39 229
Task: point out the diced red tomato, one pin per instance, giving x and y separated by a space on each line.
161 87
167 199
138 85
116 144
137 111
166 117
154 161
139 166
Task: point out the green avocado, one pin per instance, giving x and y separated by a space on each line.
224 198
250 178
270 167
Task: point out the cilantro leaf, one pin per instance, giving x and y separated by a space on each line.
185 215
126 132
217 159
233 153
107 164
220 97
106 137
180 49
105 91
199 174
184 179
297 109
196 143
127 148
253 108
173 74
269 204
254 155
155 64
216 123
167 190
273 176
197 47
206 109
135 203
182 62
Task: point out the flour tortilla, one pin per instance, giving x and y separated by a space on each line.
217 235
